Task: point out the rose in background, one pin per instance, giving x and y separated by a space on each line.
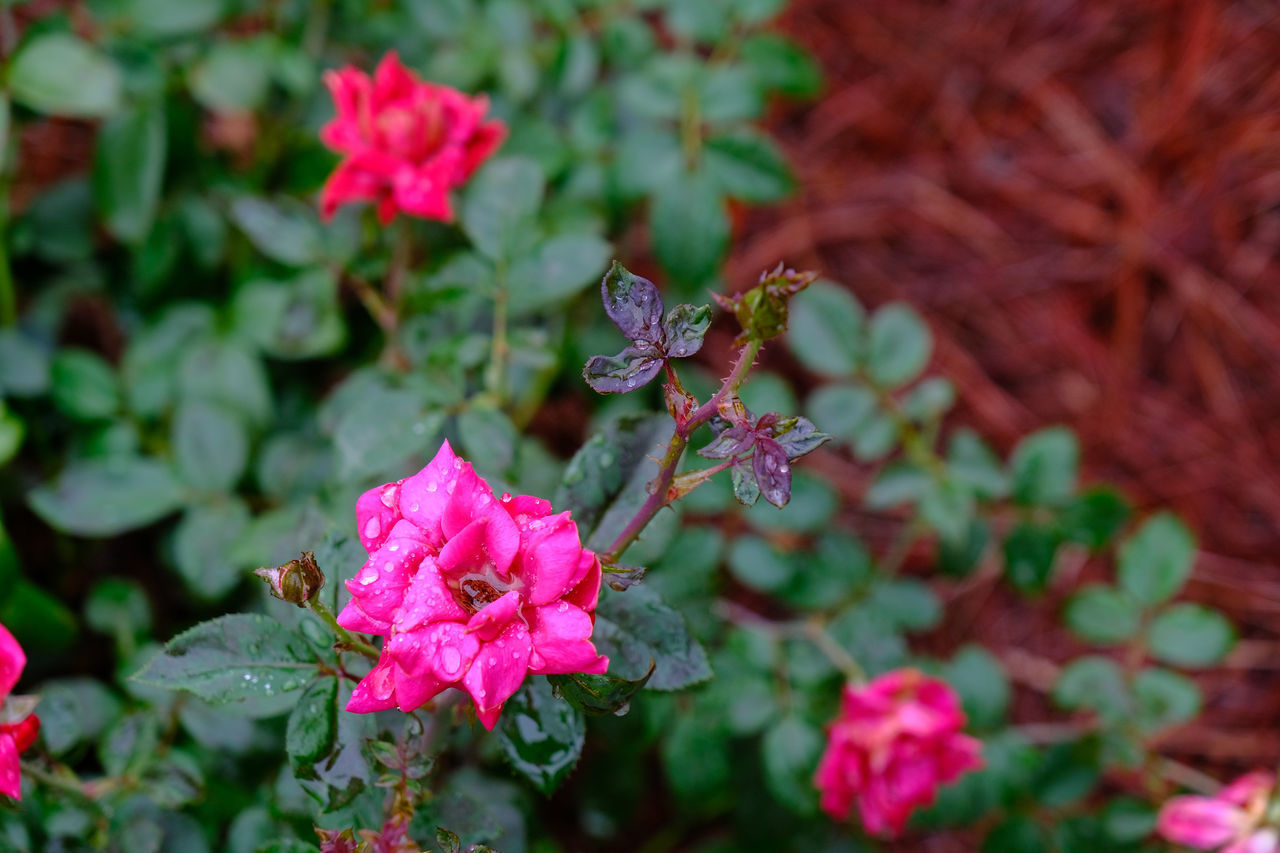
18 727
471 590
897 739
1233 821
407 142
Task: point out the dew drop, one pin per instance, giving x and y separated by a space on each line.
372 527
248 677
563 607
367 578
432 486
451 660
393 547
413 507
782 469
389 495
450 486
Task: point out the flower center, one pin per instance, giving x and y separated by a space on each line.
476 591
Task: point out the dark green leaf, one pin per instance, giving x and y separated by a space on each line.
127 170
636 629
299 318
746 164
1094 517
825 331
1095 683
501 202
896 484
746 489
222 372
284 230
210 445
760 565
130 744
973 464
1043 467
929 400
164 19
1156 560
74 711
118 608
1028 557
557 269
1103 615
60 74
906 604
24 364
604 482
1016 835
1164 698
898 345
234 76
242 657
488 437
103 497
790 751
599 694
313 727
781 66
37 618
980 679
202 544
1191 635
344 772
541 735
689 229
374 437
84 385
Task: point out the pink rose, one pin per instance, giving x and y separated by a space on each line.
1232 820
896 740
471 591
407 142
15 737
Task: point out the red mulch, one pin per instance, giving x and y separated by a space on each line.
1081 197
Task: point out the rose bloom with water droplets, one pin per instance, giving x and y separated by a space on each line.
407 142
471 591
16 734
1233 821
897 739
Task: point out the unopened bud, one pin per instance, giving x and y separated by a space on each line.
296 582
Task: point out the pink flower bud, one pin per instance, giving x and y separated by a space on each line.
896 740
1231 818
407 142
17 734
471 591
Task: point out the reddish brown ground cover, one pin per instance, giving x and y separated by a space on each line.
1081 196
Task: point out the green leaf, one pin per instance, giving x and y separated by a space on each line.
489 438
1043 467
234 76
313 727
202 544
559 268
897 484
501 202
1017 834
223 372
210 445
37 618
118 608
12 431
825 330
165 19
604 483
24 364
61 74
541 735
130 744
690 229
385 426
898 345
598 694
636 630
1164 698
747 164
790 751
242 657
906 604
930 400
980 680
342 773
127 170
75 711
295 319
728 94
1095 683
1191 635
758 564
103 497
150 366
83 385
781 66
1094 517
1103 615
285 230
1155 562
974 465
1029 552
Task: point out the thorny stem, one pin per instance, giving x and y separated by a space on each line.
345 637
660 491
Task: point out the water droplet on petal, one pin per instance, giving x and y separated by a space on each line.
413 507
367 578
563 607
393 547
372 527
432 486
451 660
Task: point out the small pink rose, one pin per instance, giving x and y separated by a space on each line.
15 737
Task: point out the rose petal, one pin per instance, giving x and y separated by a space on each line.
498 671
377 690
10 774
424 496
428 599
12 661
551 558
491 620
561 637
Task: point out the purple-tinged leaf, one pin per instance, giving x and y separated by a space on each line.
745 486
797 436
730 442
626 371
684 329
769 463
633 304
621 577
